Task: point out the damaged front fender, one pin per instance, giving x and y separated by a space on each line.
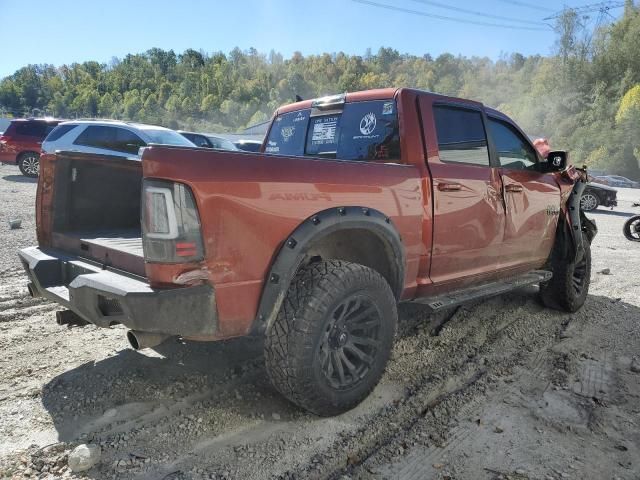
576 221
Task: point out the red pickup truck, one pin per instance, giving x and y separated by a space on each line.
359 202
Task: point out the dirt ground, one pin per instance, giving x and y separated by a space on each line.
502 389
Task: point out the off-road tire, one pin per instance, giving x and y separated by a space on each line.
568 288
296 343
29 164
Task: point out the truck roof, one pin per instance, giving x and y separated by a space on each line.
375 94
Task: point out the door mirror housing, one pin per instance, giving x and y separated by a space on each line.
556 161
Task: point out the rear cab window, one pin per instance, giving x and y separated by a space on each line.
357 131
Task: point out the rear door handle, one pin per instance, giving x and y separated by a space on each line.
513 187
449 187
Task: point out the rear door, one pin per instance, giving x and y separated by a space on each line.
532 198
468 210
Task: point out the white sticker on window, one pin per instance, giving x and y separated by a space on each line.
272 147
387 108
368 123
287 133
324 131
301 117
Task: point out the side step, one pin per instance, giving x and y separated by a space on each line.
492 289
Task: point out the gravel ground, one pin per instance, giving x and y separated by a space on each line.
500 389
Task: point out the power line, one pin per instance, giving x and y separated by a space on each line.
602 7
480 14
523 4
442 17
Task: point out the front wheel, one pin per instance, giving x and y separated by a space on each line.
329 345
589 202
568 288
29 164
631 229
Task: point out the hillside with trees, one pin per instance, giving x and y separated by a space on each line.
585 98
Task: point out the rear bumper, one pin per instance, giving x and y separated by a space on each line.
105 297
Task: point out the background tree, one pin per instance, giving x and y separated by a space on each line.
585 97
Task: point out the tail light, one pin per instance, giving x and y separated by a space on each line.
171 230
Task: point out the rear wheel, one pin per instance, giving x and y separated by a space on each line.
332 338
568 288
631 229
29 164
589 202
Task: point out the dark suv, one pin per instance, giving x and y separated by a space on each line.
20 143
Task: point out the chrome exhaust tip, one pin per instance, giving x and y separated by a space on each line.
140 340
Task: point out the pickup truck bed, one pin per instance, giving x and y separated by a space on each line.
123 241
96 210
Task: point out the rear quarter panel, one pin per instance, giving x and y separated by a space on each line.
250 203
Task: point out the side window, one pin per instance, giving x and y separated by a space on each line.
58 132
461 135
127 141
513 150
96 136
31 129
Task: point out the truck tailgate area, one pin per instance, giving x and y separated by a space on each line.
96 210
108 297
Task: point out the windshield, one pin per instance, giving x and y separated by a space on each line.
365 131
166 137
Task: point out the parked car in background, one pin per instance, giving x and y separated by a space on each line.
20 143
596 195
109 137
248 145
208 140
616 181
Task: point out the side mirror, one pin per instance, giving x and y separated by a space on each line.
556 161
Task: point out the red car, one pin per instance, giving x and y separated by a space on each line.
20 143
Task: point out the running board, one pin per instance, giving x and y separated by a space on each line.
492 289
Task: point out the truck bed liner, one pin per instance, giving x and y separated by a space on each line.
120 248
129 241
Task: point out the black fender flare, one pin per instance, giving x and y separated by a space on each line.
577 221
295 248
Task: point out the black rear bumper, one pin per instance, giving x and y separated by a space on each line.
105 297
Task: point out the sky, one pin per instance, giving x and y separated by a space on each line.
66 31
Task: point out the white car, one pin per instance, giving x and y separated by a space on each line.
109 137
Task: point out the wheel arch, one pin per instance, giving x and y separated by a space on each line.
25 152
352 233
